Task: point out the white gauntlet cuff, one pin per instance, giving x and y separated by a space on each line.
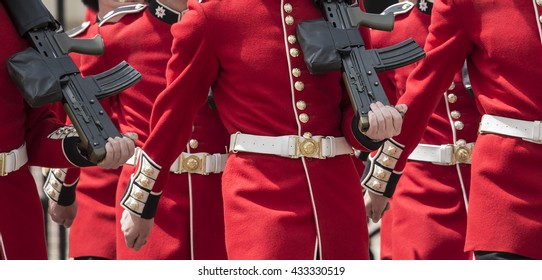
139 198
379 176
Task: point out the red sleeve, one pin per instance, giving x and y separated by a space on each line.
446 47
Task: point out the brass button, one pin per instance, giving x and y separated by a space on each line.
540 18
539 2
375 185
288 8
51 193
55 184
289 20
148 171
304 118
452 86
138 195
294 52
299 86
387 161
194 143
58 173
292 39
144 182
296 72
134 206
301 105
452 98
455 114
380 174
459 125
307 135
392 150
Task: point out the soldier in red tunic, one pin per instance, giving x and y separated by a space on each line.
429 208
92 235
499 40
290 187
29 138
190 221
190 225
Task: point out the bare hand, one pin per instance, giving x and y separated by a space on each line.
118 151
62 215
135 229
375 205
385 121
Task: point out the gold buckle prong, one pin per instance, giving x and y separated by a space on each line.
3 165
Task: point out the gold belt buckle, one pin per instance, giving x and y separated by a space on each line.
192 164
3 165
309 147
462 152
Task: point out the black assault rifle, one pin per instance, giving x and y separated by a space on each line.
336 43
46 73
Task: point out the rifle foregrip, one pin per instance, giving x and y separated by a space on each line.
374 21
94 46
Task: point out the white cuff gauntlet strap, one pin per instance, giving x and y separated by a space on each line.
138 197
70 140
56 190
379 175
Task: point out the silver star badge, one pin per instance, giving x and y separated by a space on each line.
423 5
160 12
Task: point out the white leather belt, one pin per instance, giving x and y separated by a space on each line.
13 160
291 146
443 154
526 130
195 163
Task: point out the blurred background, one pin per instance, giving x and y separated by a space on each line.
69 13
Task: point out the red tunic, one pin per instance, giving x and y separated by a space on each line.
189 224
275 207
23 238
500 39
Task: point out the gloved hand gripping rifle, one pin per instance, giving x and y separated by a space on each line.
45 73
336 44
